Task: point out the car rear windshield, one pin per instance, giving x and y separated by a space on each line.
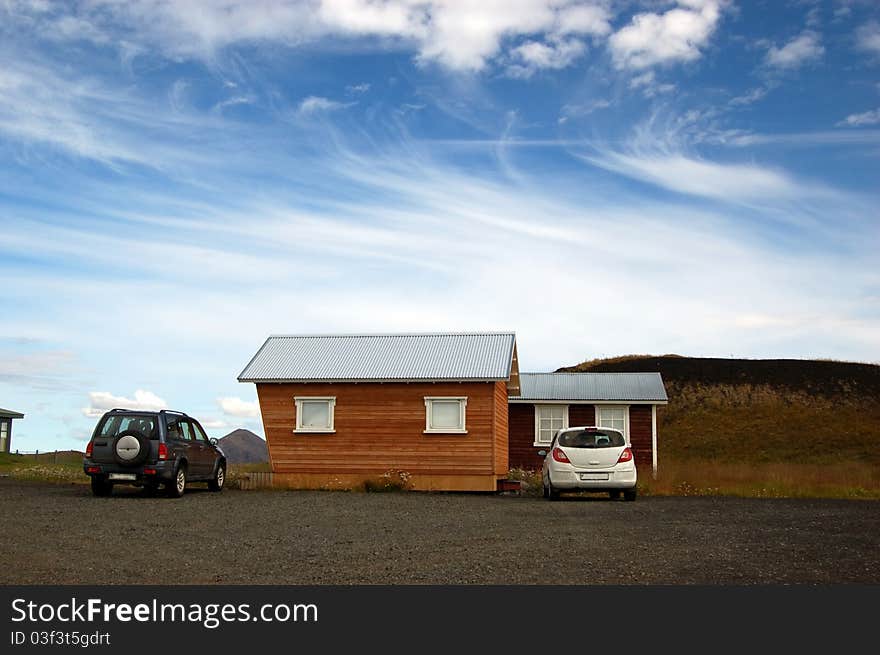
116 424
591 439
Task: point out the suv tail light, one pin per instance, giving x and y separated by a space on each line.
89 447
560 456
625 456
163 451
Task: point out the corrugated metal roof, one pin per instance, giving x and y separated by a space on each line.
591 386
384 357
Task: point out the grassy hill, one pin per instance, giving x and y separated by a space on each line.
760 420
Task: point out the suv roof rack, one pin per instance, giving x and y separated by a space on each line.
161 411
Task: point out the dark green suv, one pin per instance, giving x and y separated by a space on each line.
149 449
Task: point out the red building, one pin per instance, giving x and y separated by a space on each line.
548 402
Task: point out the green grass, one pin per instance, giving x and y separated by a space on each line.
65 466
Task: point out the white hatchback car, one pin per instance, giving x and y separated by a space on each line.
589 459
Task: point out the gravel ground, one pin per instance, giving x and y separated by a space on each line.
60 534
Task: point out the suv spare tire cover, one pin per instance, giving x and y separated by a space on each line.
131 448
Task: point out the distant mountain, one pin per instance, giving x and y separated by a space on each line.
244 447
762 410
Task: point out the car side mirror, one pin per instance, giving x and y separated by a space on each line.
214 442
542 453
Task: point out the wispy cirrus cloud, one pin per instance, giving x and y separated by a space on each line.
870 117
317 105
694 176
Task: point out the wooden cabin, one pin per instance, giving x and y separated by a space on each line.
339 410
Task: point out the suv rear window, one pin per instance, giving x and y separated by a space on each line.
591 439
115 424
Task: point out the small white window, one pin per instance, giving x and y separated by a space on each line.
548 420
613 417
314 414
445 415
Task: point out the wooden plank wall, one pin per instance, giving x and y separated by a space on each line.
640 437
501 429
379 427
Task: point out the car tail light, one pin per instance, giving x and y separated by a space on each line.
89 447
560 456
625 456
93 469
149 471
163 451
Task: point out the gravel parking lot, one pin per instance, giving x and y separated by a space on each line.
60 534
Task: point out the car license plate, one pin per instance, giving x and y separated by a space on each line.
594 476
122 476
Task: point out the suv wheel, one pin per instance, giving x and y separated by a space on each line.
216 484
100 487
177 486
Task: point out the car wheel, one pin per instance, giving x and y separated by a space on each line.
219 480
614 494
101 487
552 492
629 494
177 486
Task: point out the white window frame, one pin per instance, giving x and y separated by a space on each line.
625 408
539 407
462 408
330 400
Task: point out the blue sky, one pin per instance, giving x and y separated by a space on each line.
179 180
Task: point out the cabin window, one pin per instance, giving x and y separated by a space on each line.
613 417
549 419
315 414
4 435
445 415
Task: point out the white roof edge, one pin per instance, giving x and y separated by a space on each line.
364 380
593 373
353 335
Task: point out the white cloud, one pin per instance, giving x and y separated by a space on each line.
103 401
533 56
584 19
317 104
800 50
237 407
871 117
211 423
674 36
868 37
463 35
358 88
